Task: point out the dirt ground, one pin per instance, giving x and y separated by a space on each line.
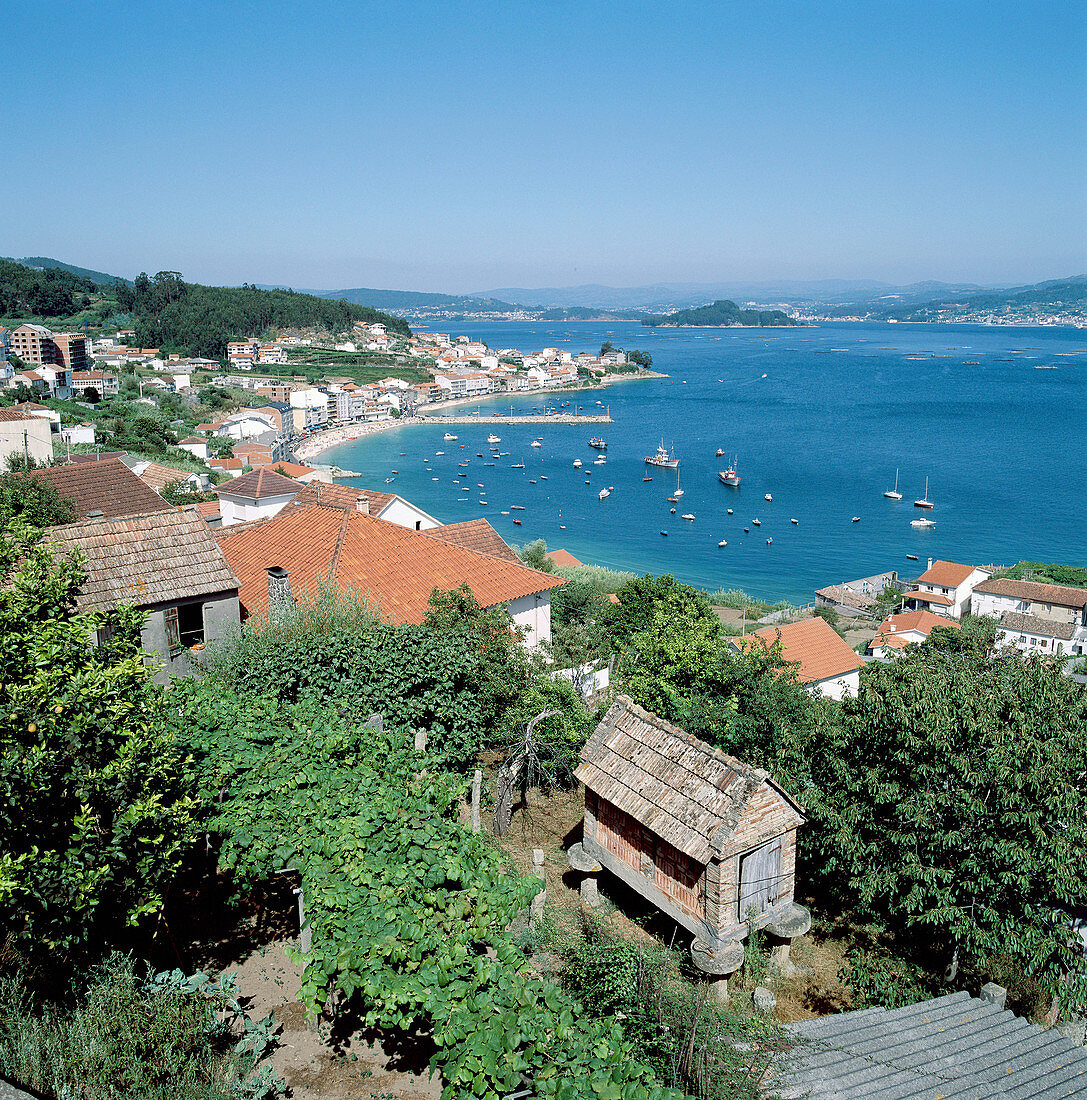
552 823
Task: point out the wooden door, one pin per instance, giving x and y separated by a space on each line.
760 876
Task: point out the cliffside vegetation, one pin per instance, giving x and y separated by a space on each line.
721 313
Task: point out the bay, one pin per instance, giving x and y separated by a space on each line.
820 417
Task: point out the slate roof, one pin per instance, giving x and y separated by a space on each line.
1034 624
683 790
108 486
947 574
395 566
1034 590
813 644
954 1046
474 534
144 560
258 483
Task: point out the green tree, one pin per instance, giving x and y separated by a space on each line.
638 598
955 797
535 555
91 395
605 347
640 358
96 810
34 501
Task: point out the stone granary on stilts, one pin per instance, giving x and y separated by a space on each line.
710 841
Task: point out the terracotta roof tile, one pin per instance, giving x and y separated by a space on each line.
921 622
929 597
158 476
474 534
145 559
394 566
813 644
1035 590
108 486
563 558
259 483
948 574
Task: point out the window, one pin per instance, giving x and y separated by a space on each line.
184 626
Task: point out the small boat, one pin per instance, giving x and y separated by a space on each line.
722 543
396 471
604 493
388 481
729 476
599 461
562 526
480 484
719 454
767 497
911 557
756 523
517 521
532 481
688 515
535 443
488 463
663 457
747 530
449 437
484 503
438 454
673 500
588 482
672 511
433 479
795 522
647 479
856 519
597 442
494 439
518 507
506 513
769 542
577 463
517 466
479 454
730 511
543 477
924 502
924 521
462 463
894 494
664 532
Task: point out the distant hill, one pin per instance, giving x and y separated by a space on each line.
587 313
199 320
419 300
100 278
41 292
722 313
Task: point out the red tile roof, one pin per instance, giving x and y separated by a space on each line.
258 483
108 486
474 534
948 574
929 597
395 567
563 558
813 643
922 622
341 496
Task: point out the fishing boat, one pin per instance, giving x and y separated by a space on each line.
492 438
924 502
577 463
729 476
894 494
767 497
449 437
663 457
720 452
597 442
604 493
924 521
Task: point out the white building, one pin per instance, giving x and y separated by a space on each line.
259 494
1033 616
898 631
23 434
945 588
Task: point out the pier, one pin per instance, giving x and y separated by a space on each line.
558 418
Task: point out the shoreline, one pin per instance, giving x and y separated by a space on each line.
323 441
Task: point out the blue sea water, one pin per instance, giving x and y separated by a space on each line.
819 417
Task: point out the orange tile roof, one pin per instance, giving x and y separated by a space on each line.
563 558
921 621
929 597
397 568
813 643
474 534
261 482
949 574
291 469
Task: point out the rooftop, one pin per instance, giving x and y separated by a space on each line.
143 560
257 484
474 534
947 574
1033 624
107 486
928 597
683 790
397 568
158 476
812 643
563 558
956 1045
920 622
1036 591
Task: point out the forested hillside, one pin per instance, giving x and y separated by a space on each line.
722 312
192 319
53 292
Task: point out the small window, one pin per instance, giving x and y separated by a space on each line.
184 626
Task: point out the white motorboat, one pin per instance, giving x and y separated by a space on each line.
599 461
767 497
535 443
924 521
604 493
722 543
492 438
577 463
894 494
449 437
688 515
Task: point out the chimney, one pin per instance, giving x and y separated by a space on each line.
930 563
279 592
363 505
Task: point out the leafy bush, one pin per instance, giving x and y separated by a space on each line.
164 1037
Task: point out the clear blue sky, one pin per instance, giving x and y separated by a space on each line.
465 146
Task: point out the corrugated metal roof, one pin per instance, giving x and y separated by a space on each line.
954 1046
